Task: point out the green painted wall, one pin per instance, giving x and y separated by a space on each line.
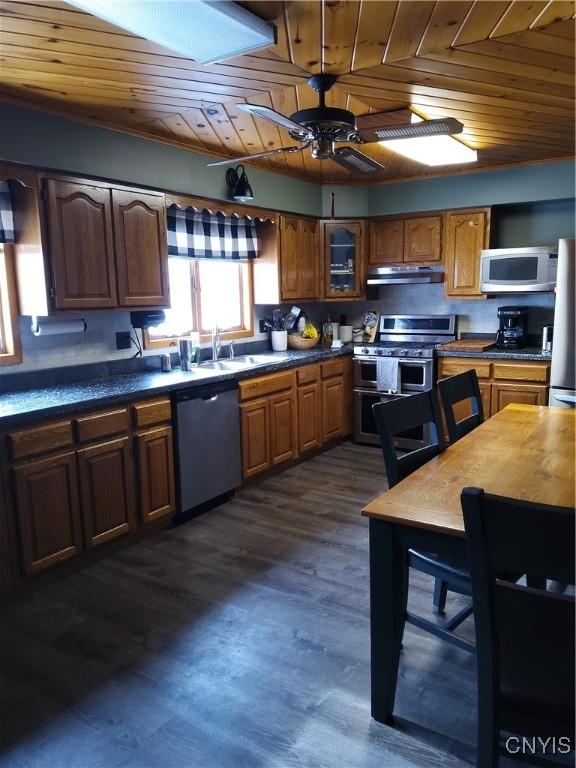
514 226
348 201
525 184
44 140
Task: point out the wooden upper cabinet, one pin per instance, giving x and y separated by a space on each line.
48 511
386 242
289 257
81 245
141 248
106 490
343 246
466 234
309 266
423 239
299 258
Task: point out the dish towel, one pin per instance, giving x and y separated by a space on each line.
387 370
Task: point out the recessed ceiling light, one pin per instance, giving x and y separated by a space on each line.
432 150
203 30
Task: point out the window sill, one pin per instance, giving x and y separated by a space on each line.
171 342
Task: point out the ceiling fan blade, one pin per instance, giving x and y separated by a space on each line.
446 126
234 160
353 160
276 117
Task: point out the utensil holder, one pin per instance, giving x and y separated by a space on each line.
279 340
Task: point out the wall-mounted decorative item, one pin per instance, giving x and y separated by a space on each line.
238 184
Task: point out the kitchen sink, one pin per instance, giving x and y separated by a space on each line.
273 357
227 365
244 361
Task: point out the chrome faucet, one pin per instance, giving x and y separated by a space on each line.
216 345
231 350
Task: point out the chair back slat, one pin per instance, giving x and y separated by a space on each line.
394 417
454 390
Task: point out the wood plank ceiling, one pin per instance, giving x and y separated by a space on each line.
505 69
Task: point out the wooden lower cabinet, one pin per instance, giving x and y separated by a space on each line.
106 490
255 418
48 511
309 417
283 427
334 421
155 459
527 394
501 382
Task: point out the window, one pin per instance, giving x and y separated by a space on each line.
205 293
10 352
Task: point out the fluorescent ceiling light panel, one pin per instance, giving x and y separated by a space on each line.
432 150
203 30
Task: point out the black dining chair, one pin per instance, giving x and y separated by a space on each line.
524 636
393 417
454 390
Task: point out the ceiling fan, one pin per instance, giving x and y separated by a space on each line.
321 127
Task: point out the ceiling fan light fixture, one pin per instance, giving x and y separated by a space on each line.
433 150
239 185
203 30
435 145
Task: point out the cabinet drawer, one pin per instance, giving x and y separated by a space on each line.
152 412
517 371
452 366
101 424
30 442
308 375
265 385
332 368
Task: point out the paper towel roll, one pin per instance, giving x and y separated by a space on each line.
52 327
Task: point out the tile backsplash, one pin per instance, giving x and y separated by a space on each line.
98 343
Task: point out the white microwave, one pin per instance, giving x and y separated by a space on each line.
518 270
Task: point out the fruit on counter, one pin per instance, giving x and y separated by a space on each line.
310 331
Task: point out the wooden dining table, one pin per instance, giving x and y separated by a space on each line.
523 452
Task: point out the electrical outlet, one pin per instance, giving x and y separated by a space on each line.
263 329
123 340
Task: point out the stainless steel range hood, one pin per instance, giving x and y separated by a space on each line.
403 274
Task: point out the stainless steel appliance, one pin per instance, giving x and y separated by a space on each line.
403 275
513 325
208 444
518 270
563 366
412 339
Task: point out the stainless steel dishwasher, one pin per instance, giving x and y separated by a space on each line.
207 443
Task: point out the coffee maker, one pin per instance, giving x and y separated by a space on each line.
512 330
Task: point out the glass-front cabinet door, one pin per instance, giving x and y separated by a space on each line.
343 259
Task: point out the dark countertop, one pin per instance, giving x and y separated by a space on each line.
526 353
50 402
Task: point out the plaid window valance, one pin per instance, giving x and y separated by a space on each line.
206 235
7 234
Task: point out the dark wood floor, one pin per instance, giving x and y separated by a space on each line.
238 639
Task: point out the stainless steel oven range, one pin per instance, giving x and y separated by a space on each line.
412 339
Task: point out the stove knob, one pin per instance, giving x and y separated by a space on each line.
365 351
379 352
403 353
418 353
